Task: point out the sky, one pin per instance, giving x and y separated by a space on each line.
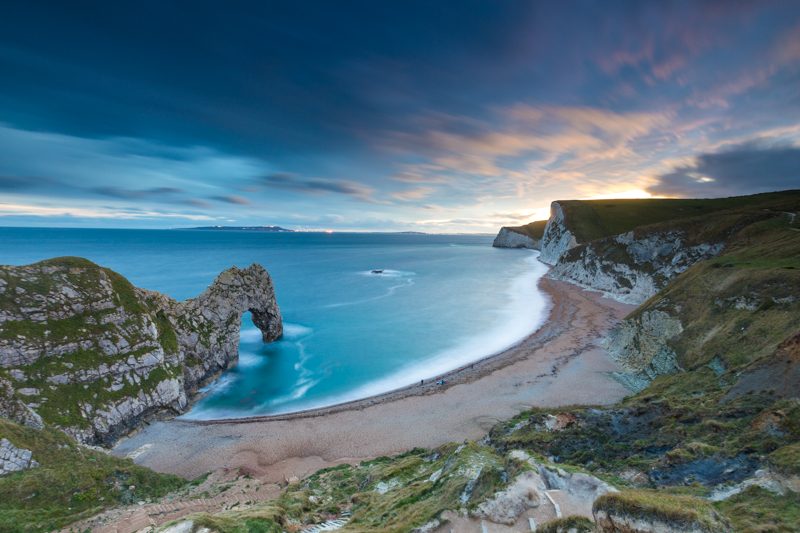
436 116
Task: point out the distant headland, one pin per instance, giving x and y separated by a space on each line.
268 229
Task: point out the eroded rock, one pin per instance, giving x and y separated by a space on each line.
633 266
13 459
83 349
640 344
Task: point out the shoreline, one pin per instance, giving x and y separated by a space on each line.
463 374
428 387
539 371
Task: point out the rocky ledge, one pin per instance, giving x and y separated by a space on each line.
13 459
82 349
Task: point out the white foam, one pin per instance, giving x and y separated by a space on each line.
290 332
302 385
387 273
224 382
251 334
389 292
526 312
250 359
295 331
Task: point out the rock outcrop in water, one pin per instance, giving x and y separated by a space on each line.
84 350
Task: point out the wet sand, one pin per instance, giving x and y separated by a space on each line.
560 364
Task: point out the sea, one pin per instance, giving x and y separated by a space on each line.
440 302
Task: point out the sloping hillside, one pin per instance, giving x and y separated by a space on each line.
636 264
70 482
534 230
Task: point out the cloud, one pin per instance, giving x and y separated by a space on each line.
417 193
11 183
519 144
136 194
293 182
231 199
32 210
55 165
750 167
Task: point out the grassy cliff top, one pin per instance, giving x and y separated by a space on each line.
593 219
534 230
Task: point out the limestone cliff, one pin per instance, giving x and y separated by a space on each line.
525 236
726 315
633 266
557 238
508 238
84 350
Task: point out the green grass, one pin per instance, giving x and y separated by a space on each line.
593 219
758 510
568 524
410 497
534 230
685 510
60 404
166 333
71 483
734 307
786 459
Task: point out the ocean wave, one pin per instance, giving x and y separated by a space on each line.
220 385
387 273
251 334
527 310
291 331
305 380
386 294
295 331
249 359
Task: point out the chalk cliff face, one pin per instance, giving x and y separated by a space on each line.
633 266
83 349
557 238
641 345
508 238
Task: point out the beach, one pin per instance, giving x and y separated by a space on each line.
562 363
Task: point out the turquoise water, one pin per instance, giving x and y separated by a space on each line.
442 302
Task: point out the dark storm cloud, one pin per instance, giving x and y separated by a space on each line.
62 189
311 77
746 168
136 194
485 106
292 182
17 183
231 199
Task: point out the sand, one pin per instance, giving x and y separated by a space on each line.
560 364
